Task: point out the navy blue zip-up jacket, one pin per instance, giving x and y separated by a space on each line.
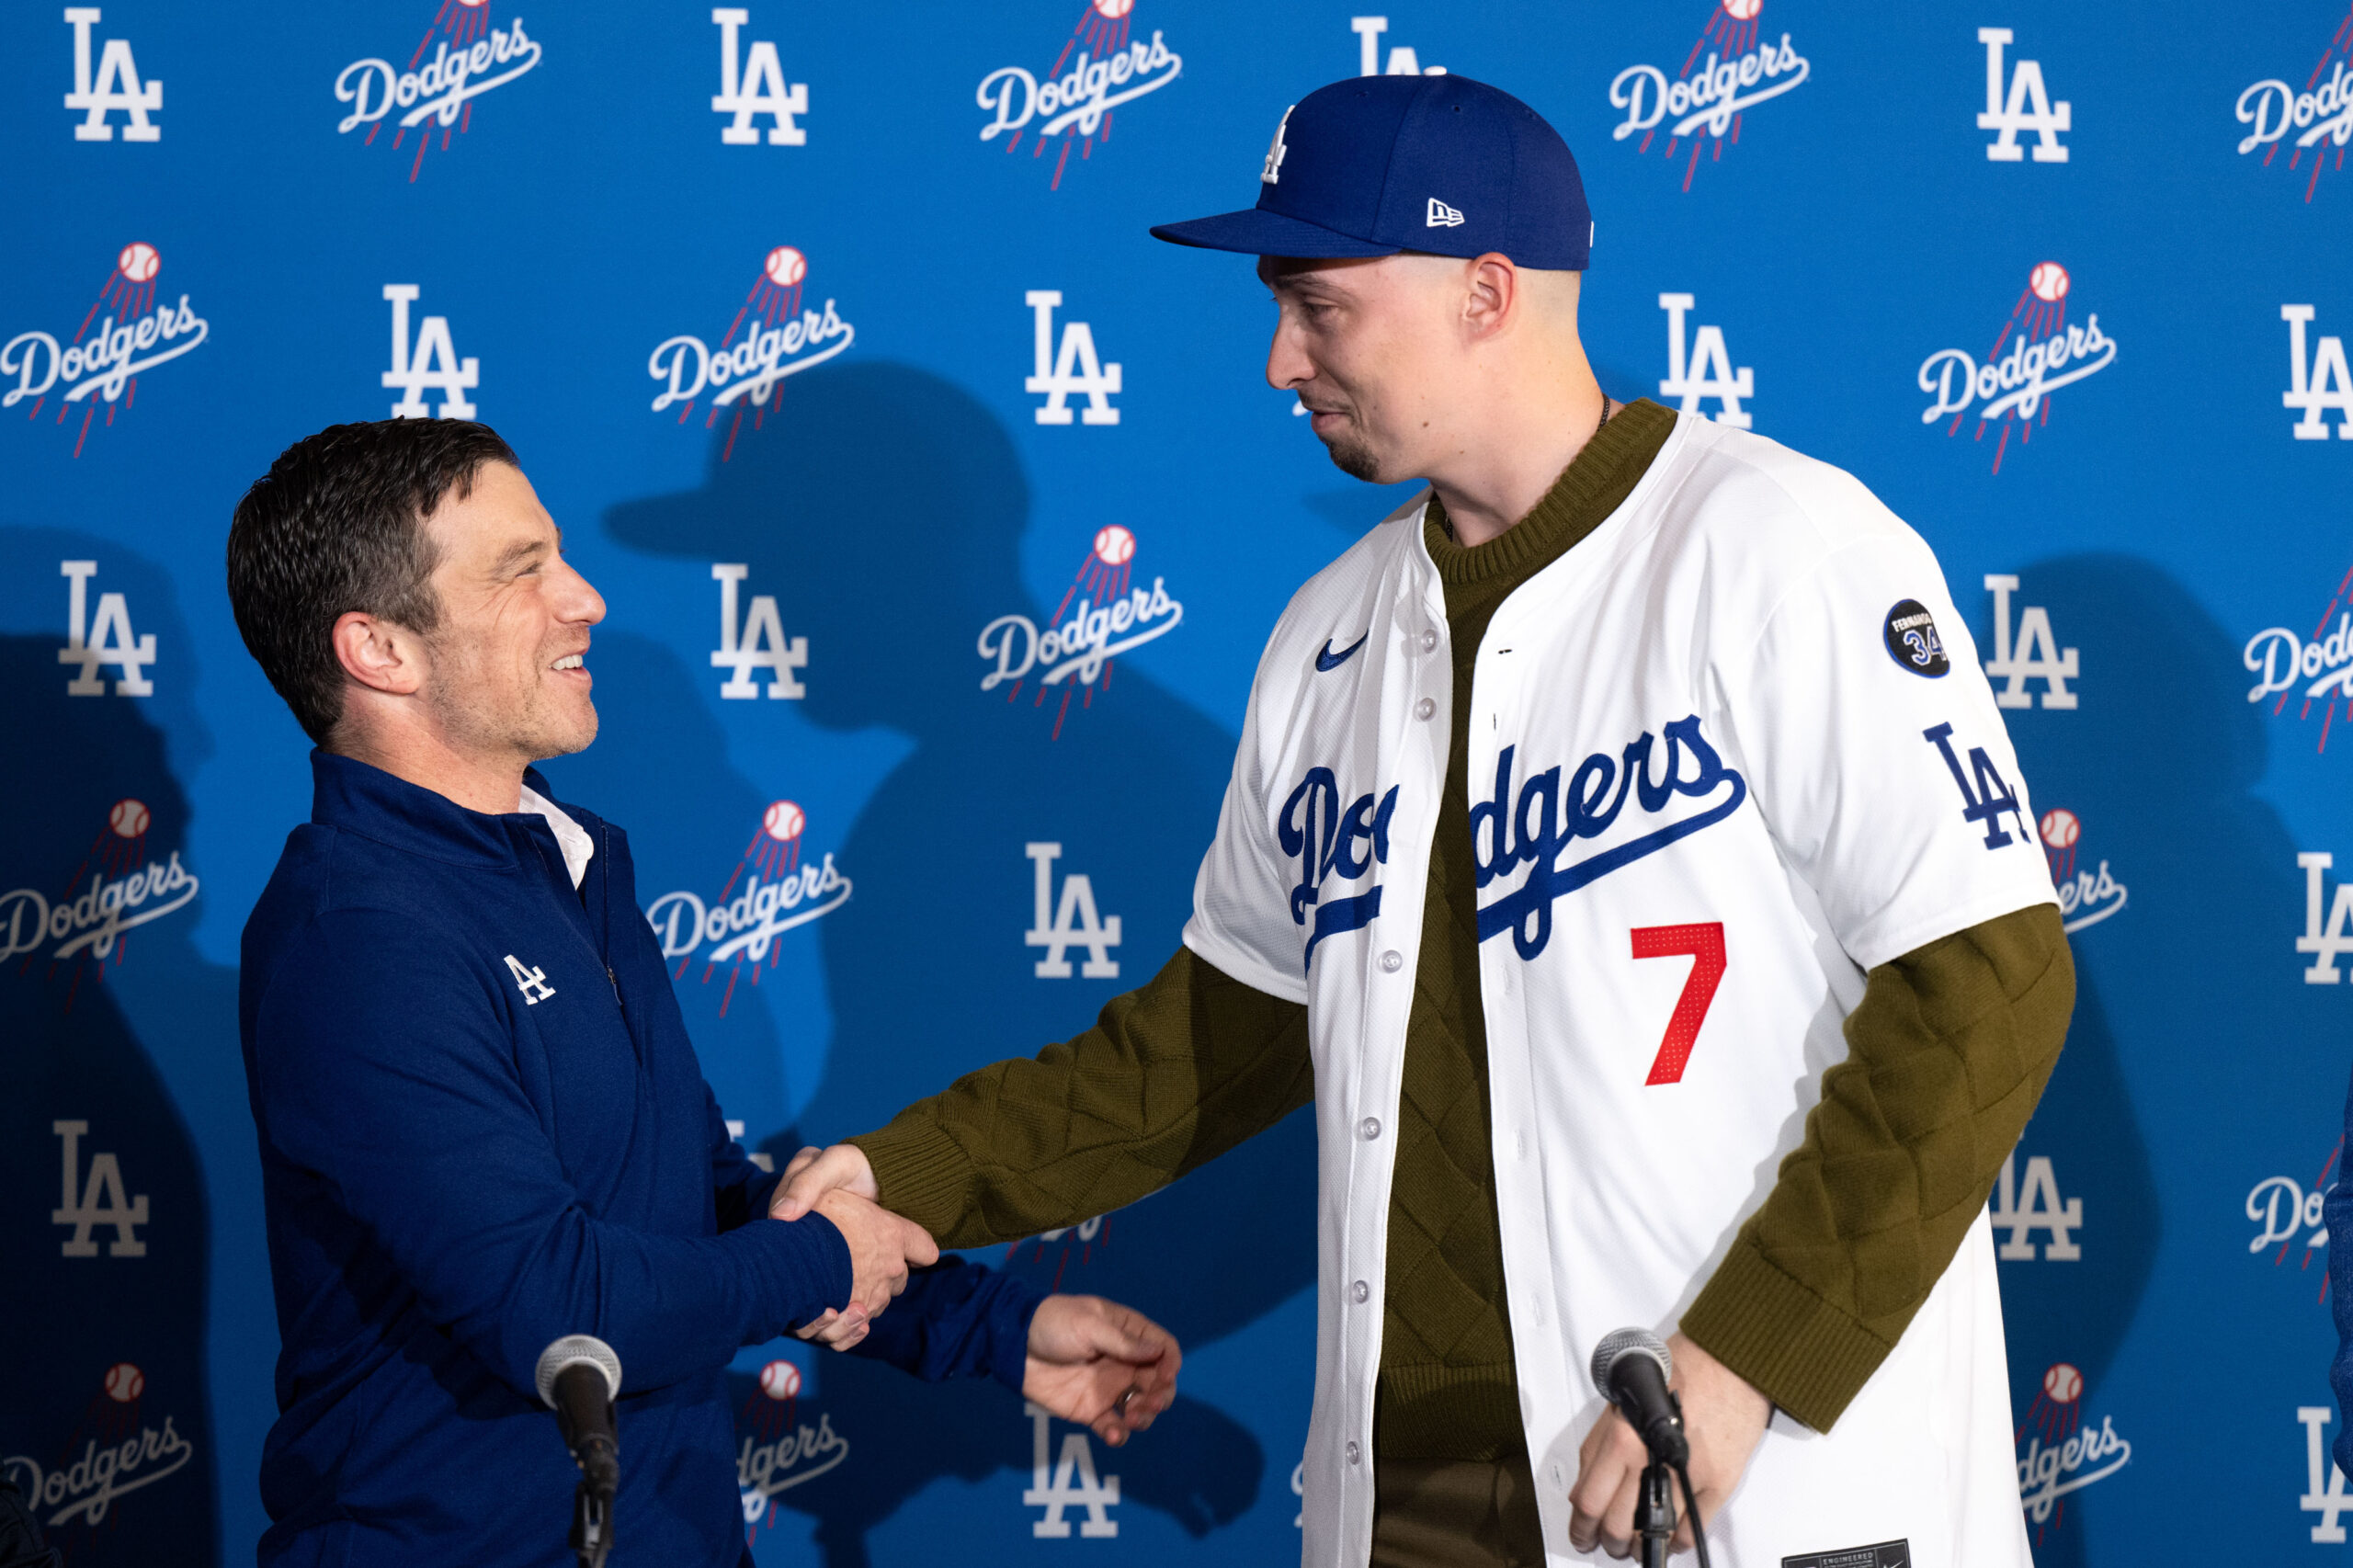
482 1127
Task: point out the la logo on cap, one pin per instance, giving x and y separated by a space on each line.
1442 216
1272 173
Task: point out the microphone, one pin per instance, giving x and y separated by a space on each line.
1632 1367
579 1377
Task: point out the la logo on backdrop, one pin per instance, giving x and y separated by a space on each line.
1727 74
2035 352
1099 67
124 333
779 337
1102 616
770 892
469 57
2320 113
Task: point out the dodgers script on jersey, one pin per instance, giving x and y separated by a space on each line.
1742 722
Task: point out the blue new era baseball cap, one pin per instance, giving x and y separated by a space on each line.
1377 165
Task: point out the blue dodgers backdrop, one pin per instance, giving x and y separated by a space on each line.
942 514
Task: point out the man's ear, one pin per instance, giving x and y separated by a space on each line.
1492 299
381 654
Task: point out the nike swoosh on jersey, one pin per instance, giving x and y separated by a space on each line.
1328 661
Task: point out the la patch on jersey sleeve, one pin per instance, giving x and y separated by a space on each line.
1879 756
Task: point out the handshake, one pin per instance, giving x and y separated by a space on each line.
1089 1360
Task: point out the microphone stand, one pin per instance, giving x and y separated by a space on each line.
1654 1512
591 1522
592 1500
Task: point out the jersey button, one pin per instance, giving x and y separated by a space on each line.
1425 708
1393 961
1355 1453
1369 1129
1429 641
1361 1292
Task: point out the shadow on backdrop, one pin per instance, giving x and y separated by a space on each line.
885 509
1197 1465
658 747
2159 763
106 1417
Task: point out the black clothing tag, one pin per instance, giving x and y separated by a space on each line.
1886 1554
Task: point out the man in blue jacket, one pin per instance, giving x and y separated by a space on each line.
482 1124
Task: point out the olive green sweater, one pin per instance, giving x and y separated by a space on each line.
1948 1050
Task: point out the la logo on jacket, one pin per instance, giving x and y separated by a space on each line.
531 983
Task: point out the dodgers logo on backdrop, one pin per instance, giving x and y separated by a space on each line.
1098 68
2320 113
1086 1238
770 892
470 57
114 1452
118 889
779 337
2313 672
2086 898
2062 1452
2286 1213
115 89
1708 98
1102 616
123 334
2045 352
1543 824
781 1450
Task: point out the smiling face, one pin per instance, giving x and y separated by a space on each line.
508 679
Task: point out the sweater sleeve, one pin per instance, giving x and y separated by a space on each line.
1947 1055
1171 1076
956 1319
404 1099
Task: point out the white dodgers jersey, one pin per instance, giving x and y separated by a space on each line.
1742 722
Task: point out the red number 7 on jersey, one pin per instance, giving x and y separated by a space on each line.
1704 945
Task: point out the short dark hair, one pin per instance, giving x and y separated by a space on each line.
337 525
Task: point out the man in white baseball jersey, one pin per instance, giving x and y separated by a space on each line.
1625 853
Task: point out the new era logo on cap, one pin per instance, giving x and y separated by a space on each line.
1342 173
